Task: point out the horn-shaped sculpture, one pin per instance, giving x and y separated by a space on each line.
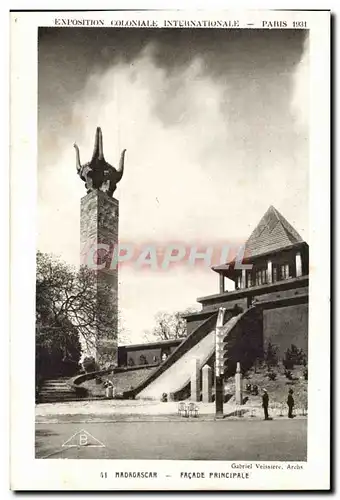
97 173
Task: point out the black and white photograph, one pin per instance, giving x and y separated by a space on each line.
173 245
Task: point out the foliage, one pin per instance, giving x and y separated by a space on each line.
294 356
288 374
271 355
271 375
169 326
89 364
73 309
57 354
142 360
77 296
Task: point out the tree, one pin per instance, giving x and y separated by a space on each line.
270 355
58 354
169 326
71 306
294 356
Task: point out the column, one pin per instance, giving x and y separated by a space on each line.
195 381
219 396
206 384
270 271
298 264
221 283
238 385
243 280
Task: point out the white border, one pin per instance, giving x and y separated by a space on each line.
28 473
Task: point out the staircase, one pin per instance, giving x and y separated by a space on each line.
174 374
56 390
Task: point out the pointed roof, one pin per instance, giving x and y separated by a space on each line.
273 233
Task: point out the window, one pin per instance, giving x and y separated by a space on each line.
284 271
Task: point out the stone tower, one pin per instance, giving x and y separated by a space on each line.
99 221
99 218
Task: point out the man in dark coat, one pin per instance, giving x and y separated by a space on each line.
290 403
265 403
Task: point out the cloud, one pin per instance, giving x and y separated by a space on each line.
166 192
197 169
301 93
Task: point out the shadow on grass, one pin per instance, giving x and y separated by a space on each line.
44 433
42 445
236 413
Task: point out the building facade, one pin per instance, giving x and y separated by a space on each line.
273 275
151 353
268 302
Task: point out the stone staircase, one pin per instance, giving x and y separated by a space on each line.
173 376
56 390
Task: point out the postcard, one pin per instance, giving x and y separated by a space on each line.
170 240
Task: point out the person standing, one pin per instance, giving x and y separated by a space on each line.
265 403
290 403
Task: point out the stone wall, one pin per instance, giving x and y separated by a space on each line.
286 326
282 315
294 293
149 354
227 302
192 324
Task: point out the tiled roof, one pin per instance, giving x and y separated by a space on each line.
273 233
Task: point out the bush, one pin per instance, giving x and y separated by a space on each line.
288 375
270 355
143 360
294 356
89 364
287 364
164 398
271 375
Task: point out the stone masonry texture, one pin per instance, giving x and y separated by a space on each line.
99 219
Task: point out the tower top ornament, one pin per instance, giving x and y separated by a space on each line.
97 173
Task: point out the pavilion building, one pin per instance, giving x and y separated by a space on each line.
268 303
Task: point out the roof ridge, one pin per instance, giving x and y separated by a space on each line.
276 212
272 233
292 234
257 227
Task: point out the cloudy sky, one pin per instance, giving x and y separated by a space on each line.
215 126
